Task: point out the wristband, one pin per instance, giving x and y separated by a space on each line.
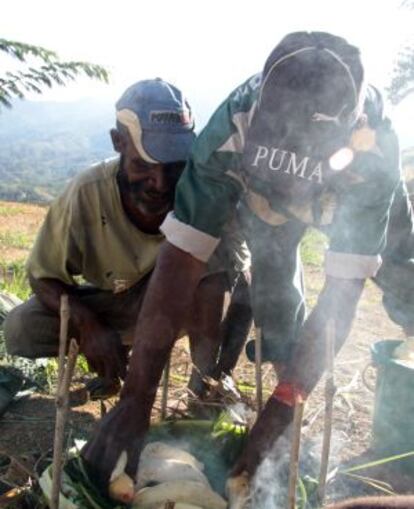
289 394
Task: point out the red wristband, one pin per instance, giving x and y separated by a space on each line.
289 394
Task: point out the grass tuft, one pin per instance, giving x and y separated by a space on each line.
312 247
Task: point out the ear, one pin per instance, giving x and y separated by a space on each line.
118 141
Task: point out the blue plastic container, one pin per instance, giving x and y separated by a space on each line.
393 420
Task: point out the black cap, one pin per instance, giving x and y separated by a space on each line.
310 98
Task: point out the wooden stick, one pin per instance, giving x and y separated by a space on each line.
165 383
169 504
294 453
63 336
329 399
62 406
102 408
258 364
58 439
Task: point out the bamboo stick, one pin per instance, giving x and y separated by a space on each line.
62 406
329 399
294 453
165 383
258 365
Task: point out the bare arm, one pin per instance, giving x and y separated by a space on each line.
164 310
338 300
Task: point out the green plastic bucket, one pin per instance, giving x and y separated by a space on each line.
393 420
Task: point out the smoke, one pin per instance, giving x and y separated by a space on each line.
269 486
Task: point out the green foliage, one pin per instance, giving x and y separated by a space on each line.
85 492
402 79
48 72
21 51
312 247
10 210
82 367
14 279
18 240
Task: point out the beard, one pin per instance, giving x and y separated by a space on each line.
145 197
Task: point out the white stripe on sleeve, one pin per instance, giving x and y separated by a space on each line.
189 239
351 266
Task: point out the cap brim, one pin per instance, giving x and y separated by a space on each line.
168 147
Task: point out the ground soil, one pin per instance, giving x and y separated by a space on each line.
26 430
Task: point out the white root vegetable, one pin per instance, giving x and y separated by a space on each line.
188 492
156 471
122 489
238 491
159 450
120 466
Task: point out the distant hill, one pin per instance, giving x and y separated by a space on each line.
43 144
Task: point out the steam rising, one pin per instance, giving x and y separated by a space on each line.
270 484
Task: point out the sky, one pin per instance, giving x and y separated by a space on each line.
206 49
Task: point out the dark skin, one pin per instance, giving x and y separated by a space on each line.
101 346
338 301
147 195
168 298
165 308
164 312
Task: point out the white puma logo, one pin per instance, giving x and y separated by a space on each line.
322 117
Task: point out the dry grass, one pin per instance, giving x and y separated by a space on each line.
19 223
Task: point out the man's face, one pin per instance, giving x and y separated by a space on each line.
150 187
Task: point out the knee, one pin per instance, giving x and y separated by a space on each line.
15 336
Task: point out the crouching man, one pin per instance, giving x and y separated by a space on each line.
104 228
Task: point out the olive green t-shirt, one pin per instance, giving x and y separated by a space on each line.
86 232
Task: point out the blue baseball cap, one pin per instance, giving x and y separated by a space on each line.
159 120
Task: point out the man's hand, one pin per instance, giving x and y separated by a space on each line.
122 429
338 301
103 349
271 424
101 346
163 313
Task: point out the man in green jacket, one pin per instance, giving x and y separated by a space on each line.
303 143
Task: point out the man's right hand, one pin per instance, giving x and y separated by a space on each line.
122 429
101 346
103 349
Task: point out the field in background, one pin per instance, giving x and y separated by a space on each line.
19 223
